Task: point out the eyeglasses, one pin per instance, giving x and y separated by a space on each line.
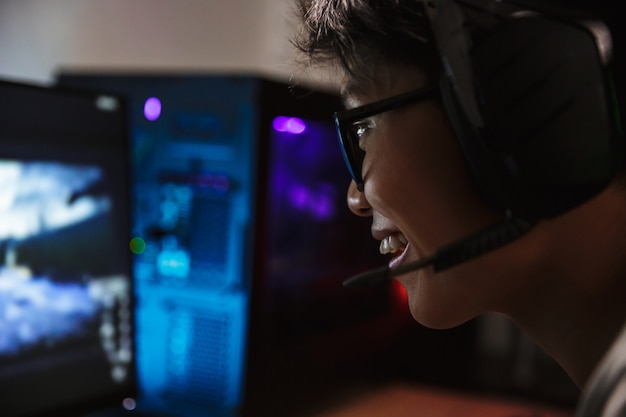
350 129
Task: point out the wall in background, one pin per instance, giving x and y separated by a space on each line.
40 37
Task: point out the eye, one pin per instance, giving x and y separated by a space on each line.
360 130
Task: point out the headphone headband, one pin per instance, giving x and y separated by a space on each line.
528 91
456 22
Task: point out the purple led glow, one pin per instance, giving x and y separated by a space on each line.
289 125
299 164
323 207
319 202
152 108
298 195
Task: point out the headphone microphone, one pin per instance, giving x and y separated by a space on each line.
463 250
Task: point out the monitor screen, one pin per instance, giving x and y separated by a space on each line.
66 307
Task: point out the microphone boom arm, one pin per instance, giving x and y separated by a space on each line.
486 240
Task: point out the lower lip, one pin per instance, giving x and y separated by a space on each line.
400 259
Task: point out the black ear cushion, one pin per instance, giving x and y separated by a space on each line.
547 142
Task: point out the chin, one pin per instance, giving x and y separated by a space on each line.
437 315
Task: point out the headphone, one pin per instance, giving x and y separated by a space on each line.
530 95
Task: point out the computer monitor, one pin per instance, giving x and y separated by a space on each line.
66 304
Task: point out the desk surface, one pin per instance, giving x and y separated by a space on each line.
417 401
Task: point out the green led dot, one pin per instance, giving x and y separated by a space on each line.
137 245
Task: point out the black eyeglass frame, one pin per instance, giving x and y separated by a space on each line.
353 155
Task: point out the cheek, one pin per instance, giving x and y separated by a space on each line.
419 179
421 183
393 186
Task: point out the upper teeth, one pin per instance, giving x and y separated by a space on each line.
392 244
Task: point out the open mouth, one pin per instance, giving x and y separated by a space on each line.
393 244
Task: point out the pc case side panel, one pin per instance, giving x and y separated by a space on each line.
306 330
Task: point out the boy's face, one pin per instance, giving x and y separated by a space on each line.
417 189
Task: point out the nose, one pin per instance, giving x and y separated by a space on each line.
357 202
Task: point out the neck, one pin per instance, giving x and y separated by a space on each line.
577 307
577 336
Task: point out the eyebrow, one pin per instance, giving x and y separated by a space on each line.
346 94
347 101
351 90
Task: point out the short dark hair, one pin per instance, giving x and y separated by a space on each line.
357 34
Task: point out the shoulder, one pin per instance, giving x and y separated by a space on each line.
605 394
